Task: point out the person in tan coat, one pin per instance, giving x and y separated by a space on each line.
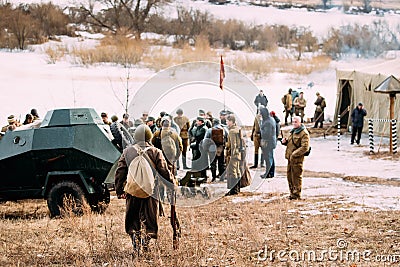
184 125
171 154
297 144
300 104
287 102
234 156
256 138
141 214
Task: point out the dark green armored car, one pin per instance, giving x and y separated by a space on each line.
68 155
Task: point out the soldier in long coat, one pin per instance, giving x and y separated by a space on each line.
234 155
320 104
287 102
141 211
256 138
184 124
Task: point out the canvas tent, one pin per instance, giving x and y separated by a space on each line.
357 85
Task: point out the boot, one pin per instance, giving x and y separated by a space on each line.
262 161
184 163
255 162
214 174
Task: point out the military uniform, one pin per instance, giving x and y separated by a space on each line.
287 101
256 138
141 214
319 111
299 106
184 125
234 157
297 144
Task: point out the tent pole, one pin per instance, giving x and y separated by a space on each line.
392 98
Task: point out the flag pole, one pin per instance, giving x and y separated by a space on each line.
221 78
224 100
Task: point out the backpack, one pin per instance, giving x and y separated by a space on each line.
140 180
217 135
157 140
168 146
284 100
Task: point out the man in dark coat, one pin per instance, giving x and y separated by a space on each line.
261 99
215 140
199 158
357 121
319 111
142 211
268 140
116 132
271 173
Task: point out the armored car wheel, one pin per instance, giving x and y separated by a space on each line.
66 198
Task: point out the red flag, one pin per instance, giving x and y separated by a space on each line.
221 75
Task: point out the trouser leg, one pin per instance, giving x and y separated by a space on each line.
295 178
221 164
272 170
353 134
359 131
213 167
255 161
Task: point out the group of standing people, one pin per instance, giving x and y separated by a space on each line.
266 129
220 140
13 122
228 148
294 104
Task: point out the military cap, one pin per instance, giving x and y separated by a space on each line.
114 118
150 118
11 119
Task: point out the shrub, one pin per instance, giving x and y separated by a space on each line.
116 49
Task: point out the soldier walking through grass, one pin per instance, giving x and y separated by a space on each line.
141 217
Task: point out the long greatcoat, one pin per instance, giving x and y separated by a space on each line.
141 210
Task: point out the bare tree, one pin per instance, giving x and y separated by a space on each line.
128 15
21 25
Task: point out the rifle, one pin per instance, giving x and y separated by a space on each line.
174 219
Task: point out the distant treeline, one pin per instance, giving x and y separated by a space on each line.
29 24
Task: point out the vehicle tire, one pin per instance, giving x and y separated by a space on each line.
66 198
206 193
99 203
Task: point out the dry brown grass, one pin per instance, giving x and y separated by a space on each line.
117 49
160 58
260 66
220 234
55 53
